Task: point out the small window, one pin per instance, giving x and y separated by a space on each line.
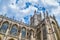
49 28
53 23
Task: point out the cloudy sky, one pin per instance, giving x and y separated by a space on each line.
24 9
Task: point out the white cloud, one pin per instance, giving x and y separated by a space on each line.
56 11
14 6
50 2
19 11
3 10
33 1
28 10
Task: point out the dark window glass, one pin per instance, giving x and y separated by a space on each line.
23 33
14 30
4 27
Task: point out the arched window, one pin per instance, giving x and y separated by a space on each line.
54 26
4 27
23 32
14 30
31 32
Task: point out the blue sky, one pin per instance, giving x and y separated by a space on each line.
24 9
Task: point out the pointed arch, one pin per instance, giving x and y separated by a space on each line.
4 27
23 31
31 33
53 22
14 30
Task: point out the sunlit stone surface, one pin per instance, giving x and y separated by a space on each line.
45 28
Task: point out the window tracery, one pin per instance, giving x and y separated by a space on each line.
4 27
14 30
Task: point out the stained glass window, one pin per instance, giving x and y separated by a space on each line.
23 33
4 27
14 30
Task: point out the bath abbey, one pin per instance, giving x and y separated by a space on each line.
41 28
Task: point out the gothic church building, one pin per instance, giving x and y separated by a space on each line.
41 28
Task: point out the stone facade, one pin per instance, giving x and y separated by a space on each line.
45 28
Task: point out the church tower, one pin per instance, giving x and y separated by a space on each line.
48 28
42 28
35 19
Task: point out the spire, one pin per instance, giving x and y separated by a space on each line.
53 16
46 13
21 21
40 14
13 17
50 16
5 14
35 12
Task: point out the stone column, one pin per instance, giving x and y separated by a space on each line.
27 36
20 34
32 37
41 34
48 36
54 34
5 38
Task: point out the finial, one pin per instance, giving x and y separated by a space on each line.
53 16
13 17
5 14
35 12
44 14
21 20
40 14
47 13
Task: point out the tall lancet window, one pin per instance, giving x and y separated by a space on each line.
14 30
4 27
44 32
23 32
